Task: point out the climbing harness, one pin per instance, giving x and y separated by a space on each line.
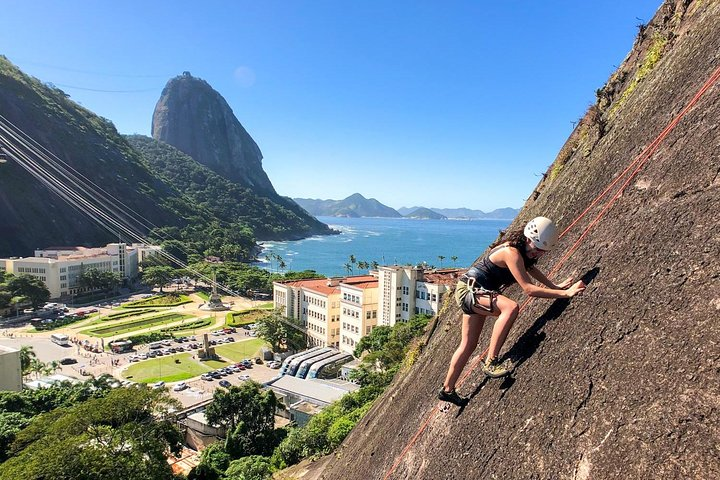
466 294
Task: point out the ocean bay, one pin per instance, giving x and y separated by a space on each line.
386 241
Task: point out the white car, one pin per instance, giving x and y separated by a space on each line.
180 387
244 378
159 385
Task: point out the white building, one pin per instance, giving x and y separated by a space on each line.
358 310
316 303
408 291
60 267
10 369
338 312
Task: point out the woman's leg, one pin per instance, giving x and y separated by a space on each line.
508 312
471 327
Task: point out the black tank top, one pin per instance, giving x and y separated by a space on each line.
492 277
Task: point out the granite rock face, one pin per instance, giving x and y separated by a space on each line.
192 117
623 381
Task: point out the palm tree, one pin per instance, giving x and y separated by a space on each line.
362 265
37 367
454 259
270 255
374 264
54 366
348 268
353 260
27 354
282 265
441 258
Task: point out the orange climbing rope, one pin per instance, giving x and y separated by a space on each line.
635 167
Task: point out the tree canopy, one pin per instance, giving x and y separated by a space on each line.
247 413
23 288
125 434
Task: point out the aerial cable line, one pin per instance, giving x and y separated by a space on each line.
110 206
103 219
97 194
103 74
113 201
86 89
83 182
83 205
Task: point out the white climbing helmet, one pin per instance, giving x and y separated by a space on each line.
543 233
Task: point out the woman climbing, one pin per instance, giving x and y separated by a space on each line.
510 260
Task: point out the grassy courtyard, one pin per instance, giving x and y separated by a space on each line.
139 324
241 350
168 370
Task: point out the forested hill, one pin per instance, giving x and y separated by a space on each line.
31 216
276 218
623 381
73 142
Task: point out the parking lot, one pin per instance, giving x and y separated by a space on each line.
80 362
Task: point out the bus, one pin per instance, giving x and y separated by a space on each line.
330 367
304 367
295 362
61 339
286 362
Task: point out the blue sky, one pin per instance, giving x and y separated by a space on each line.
414 103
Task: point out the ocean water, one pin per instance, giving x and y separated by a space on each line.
387 241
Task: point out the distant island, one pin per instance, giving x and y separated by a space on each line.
506 213
356 206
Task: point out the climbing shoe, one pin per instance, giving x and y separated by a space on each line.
452 397
493 368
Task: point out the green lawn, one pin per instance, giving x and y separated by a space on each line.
190 328
203 295
126 327
165 369
240 350
246 317
165 300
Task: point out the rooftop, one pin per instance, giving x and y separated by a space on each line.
315 391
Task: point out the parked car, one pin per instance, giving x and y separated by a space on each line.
159 385
68 361
180 387
244 378
225 383
207 376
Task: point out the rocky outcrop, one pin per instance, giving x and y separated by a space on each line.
623 381
192 117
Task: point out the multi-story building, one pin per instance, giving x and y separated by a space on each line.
338 312
408 291
317 304
60 267
359 309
